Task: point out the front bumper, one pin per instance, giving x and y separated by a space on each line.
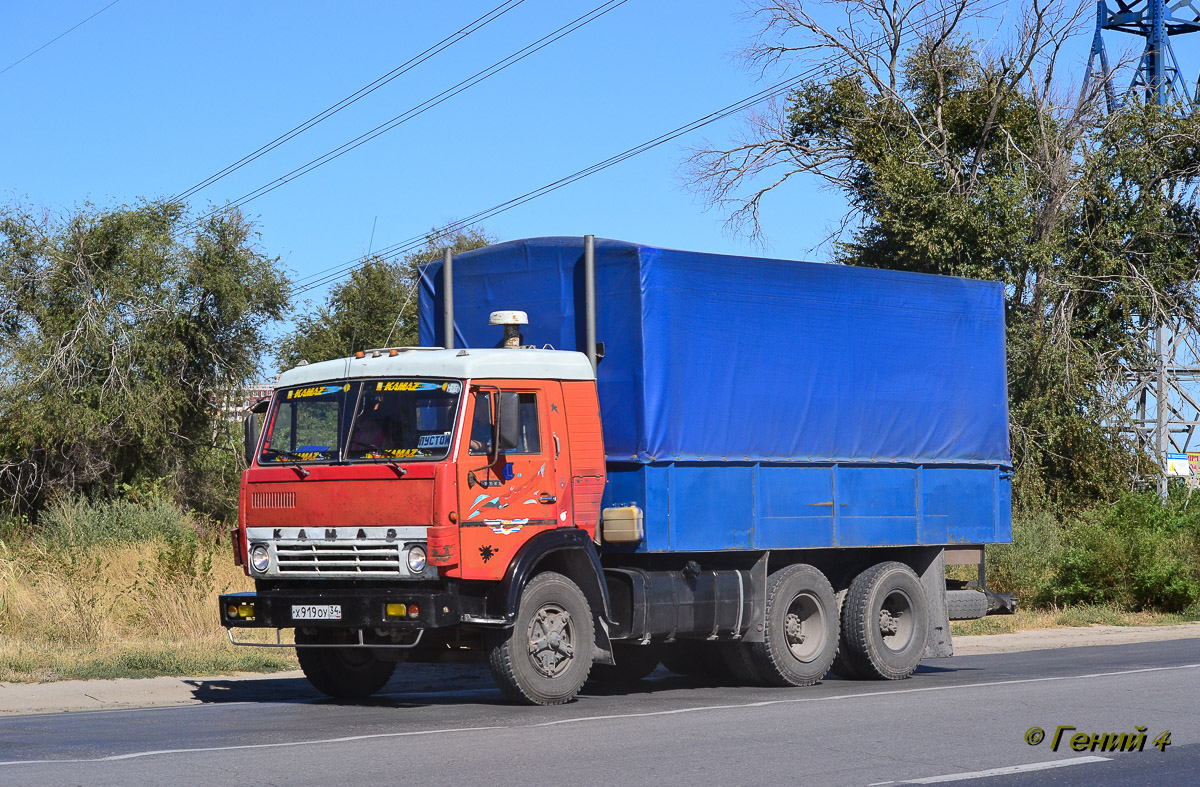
361 608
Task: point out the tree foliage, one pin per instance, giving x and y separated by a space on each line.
973 159
121 335
375 307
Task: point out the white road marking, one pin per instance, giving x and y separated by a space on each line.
349 738
1032 766
606 717
793 700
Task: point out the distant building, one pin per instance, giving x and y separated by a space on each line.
234 406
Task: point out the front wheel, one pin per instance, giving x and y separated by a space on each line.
546 656
344 673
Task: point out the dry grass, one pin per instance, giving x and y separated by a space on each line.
128 610
150 608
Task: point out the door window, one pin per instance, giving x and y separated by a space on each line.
528 434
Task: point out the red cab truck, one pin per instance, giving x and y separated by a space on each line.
753 467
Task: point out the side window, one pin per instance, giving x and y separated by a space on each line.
529 441
481 425
528 435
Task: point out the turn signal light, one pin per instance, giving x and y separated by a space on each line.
396 610
240 610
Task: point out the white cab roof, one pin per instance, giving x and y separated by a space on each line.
458 364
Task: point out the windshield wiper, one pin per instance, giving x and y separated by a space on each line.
391 462
303 472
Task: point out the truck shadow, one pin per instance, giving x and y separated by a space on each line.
662 680
413 685
460 685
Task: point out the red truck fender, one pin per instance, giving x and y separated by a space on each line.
570 552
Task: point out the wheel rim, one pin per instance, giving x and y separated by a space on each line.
551 640
896 621
804 627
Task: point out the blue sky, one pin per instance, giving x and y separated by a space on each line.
148 98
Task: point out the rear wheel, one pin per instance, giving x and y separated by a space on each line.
886 622
741 664
545 657
841 663
801 635
344 673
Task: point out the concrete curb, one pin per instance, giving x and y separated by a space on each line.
19 699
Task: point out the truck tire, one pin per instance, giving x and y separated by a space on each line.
885 621
545 657
801 635
841 665
966 604
348 673
741 664
633 662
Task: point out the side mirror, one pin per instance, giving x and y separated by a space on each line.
250 436
510 421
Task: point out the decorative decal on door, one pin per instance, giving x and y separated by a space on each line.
516 490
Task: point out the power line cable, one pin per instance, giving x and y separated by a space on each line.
60 35
362 92
402 247
328 275
419 109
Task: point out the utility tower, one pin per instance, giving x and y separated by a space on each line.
1164 397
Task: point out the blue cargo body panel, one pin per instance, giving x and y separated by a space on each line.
694 507
755 403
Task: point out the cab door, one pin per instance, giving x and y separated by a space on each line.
504 504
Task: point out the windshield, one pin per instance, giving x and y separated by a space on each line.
371 420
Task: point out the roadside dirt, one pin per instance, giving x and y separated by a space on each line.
1045 639
91 695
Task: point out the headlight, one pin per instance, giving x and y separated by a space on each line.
260 557
416 560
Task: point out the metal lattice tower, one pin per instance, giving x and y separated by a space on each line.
1157 78
1164 397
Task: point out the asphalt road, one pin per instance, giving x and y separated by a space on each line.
957 719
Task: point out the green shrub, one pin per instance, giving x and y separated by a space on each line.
1139 553
77 522
1027 566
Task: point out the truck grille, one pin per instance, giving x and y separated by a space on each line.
330 559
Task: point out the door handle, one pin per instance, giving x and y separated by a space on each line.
544 498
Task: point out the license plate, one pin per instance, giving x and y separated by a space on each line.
317 612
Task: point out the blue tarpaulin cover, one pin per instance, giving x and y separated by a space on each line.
721 358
